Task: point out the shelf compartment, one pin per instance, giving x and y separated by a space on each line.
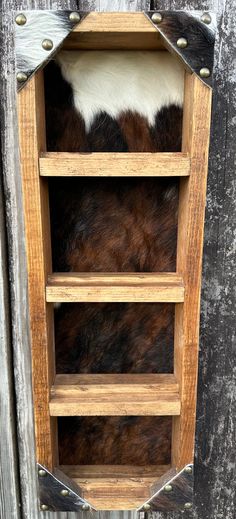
115 487
114 287
115 395
65 164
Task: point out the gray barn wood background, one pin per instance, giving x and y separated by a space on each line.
215 438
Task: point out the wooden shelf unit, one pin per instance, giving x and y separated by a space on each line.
62 395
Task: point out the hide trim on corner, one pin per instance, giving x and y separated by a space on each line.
57 492
191 36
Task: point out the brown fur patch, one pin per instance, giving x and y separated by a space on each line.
113 225
115 440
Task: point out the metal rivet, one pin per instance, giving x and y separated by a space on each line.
206 18
44 508
188 470
168 488
21 77
187 506
182 43
85 508
74 17
205 72
64 492
42 473
146 506
21 19
47 44
156 18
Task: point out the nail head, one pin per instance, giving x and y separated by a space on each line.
74 17
42 473
168 488
205 72
146 506
21 19
47 44
21 77
44 508
188 506
64 492
188 469
206 18
182 43
85 507
156 18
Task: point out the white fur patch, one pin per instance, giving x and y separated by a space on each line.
40 25
116 81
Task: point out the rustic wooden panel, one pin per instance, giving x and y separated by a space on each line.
9 494
215 454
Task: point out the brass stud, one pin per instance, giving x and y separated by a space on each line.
44 508
188 469
47 44
188 506
21 77
205 72
168 488
182 43
74 17
157 18
206 18
64 492
42 473
146 506
85 507
21 19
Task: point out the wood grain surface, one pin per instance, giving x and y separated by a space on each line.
215 438
114 164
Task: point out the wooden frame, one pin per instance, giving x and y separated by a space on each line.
173 395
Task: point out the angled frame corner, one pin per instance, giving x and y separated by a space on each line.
190 35
59 493
172 492
39 35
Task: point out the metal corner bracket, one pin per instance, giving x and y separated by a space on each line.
57 492
191 36
172 492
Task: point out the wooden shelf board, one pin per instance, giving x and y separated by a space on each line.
115 487
115 287
115 395
65 164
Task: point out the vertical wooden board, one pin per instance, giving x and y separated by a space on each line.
32 136
196 127
9 490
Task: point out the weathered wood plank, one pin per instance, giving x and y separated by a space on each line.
9 492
